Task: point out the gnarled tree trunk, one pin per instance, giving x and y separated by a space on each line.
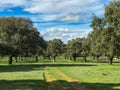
10 59
74 58
36 58
54 58
111 60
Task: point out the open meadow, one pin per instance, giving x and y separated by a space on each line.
59 75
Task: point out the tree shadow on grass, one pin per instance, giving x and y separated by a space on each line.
23 85
31 67
103 86
83 86
67 65
20 68
55 85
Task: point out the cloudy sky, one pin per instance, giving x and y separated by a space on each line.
64 19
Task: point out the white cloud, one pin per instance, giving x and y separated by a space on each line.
63 6
63 33
50 17
6 4
62 9
57 9
73 17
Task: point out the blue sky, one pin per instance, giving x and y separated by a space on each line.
64 19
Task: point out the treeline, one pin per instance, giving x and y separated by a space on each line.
19 38
104 40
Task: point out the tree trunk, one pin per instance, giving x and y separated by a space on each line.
70 58
65 57
48 57
117 57
74 58
36 58
97 58
111 60
85 59
9 59
21 58
54 58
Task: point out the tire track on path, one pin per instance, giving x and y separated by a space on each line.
55 84
74 83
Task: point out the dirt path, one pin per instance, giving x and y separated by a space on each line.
74 83
51 81
54 84
67 84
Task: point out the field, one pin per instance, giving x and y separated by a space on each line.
60 75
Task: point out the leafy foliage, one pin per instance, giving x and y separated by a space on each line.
20 36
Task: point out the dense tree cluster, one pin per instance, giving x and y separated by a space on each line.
106 32
54 48
77 48
18 37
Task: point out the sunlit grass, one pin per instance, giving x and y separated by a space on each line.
29 75
22 77
101 77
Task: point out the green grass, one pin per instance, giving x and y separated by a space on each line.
101 77
29 75
22 77
60 79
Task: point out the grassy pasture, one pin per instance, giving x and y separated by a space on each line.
60 75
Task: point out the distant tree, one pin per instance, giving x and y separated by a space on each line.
65 51
85 48
75 48
54 48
